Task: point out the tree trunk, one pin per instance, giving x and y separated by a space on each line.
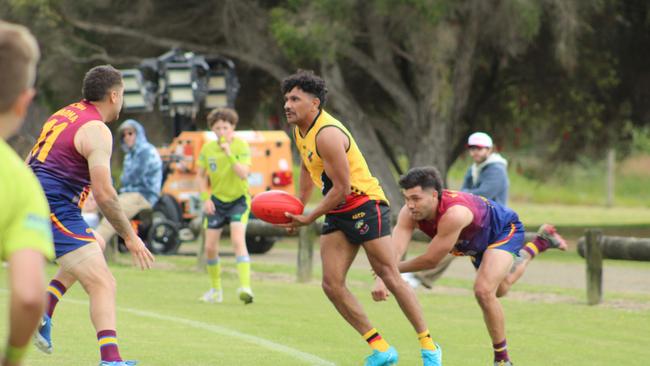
352 115
432 148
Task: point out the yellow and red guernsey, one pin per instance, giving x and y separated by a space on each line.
363 185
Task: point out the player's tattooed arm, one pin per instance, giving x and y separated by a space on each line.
95 142
112 210
403 232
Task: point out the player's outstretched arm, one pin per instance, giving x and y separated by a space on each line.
402 232
27 283
401 236
449 228
95 143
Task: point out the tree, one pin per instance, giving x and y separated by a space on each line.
409 77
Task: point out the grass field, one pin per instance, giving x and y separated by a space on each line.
161 323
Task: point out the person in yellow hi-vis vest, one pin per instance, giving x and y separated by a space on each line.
25 236
225 164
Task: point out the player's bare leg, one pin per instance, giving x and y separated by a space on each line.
97 280
57 287
88 266
382 259
494 268
64 277
337 254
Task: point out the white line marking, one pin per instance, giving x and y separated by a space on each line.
277 347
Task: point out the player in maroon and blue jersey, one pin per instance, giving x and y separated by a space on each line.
464 224
72 153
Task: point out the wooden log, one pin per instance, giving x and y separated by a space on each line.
618 247
594 267
259 227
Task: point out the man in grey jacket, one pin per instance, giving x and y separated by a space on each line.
488 176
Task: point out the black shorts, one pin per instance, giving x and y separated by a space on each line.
364 223
227 212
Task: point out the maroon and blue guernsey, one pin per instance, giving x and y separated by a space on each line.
493 225
64 174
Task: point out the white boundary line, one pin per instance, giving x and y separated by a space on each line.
277 347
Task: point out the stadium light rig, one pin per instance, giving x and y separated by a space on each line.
182 83
136 96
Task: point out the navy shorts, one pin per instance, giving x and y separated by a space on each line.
227 212
69 230
369 221
510 239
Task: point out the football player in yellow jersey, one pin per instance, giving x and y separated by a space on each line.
25 236
356 214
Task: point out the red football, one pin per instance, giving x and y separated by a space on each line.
270 206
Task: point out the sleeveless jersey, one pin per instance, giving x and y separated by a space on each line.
62 171
364 186
490 219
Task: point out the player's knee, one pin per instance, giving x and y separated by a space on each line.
484 294
30 300
332 287
104 282
388 274
211 250
239 247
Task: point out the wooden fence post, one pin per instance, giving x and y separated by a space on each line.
594 257
306 237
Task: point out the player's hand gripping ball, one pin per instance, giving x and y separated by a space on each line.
270 206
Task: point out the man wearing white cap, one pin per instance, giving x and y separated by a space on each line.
488 176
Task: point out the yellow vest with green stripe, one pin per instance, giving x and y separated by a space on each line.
361 180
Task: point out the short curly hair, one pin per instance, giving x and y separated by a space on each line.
426 177
224 114
308 82
99 81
